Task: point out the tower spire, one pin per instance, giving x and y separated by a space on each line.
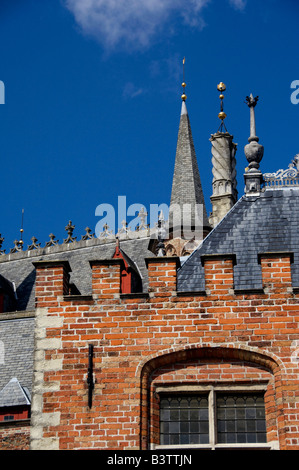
187 195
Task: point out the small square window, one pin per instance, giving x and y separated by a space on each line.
9 418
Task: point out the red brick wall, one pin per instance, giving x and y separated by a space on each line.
15 436
217 337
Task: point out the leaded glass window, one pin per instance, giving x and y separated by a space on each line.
184 420
212 419
240 419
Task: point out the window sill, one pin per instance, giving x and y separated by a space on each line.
260 446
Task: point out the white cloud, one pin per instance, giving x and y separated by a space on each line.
132 91
131 23
238 4
134 24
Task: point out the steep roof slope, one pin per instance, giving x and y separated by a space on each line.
254 225
16 356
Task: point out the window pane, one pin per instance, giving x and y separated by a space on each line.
184 420
240 418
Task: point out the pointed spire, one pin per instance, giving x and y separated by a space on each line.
186 187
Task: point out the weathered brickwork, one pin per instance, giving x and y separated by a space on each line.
164 338
15 436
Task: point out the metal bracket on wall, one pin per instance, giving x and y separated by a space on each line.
90 380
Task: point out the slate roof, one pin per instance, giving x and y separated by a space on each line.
18 267
13 394
267 223
16 359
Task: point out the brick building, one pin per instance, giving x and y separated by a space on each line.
131 343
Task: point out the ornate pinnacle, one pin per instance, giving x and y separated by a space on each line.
52 240
254 152
18 246
70 228
251 103
88 235
34 245
161 234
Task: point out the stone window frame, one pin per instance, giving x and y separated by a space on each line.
212 390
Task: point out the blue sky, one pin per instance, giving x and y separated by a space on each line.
92 100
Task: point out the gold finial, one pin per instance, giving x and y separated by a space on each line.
22 229
222 115
184 96
221 86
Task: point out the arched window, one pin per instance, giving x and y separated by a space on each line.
210 398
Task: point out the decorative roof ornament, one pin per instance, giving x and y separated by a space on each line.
254 153
88 235
184 96
106 232
34 245
69 229
222 115
143 218
2 252
161 235
284 178
18 247
124 229
52 241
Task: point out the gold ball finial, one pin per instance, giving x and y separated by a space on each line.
221 87
222 116
184 96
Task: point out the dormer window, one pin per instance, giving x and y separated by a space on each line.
131 281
